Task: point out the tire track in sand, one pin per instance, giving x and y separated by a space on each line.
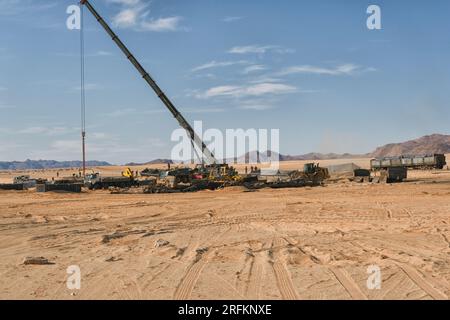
188 282
282 275
253 290
423 283
348 283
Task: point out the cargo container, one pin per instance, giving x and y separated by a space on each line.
436 161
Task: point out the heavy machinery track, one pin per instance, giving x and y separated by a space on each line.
348 283
282 275
422 282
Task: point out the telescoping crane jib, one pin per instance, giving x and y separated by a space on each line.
195 139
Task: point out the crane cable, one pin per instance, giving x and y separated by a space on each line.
82 89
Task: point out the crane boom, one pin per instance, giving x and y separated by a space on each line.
195 139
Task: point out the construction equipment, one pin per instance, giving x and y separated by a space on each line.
151 173
195 139
95 181
128 173
26 181
312 173
217 172
212 172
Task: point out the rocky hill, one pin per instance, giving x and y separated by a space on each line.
435 143
156 161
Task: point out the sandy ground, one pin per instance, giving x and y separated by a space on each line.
303 243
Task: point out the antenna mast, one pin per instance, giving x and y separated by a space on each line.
82 88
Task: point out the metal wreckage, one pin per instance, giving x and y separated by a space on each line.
218 176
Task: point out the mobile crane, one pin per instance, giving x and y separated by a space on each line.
195 139
213 171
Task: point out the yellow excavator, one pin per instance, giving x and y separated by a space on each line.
127 173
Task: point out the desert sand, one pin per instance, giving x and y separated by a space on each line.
302 243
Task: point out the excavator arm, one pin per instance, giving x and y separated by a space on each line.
195 139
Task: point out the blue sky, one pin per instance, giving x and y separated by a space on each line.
309 68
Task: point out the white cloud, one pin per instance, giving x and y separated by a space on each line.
153 143
203 110
121 112
259 49
127 17
100 135
217 64
66 145
133 111
257 107
254 68
51 131
265 78
126 2
268 88
232 19
134 14
162 24
344 69
247 91
101 53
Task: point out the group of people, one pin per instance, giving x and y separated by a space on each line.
253 169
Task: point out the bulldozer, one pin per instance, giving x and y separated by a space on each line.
312 173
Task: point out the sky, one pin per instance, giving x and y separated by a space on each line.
311 69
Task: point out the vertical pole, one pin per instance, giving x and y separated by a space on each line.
83 137
83 97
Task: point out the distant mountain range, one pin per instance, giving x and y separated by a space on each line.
431 144
435 143
256 156
156 161
47 164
